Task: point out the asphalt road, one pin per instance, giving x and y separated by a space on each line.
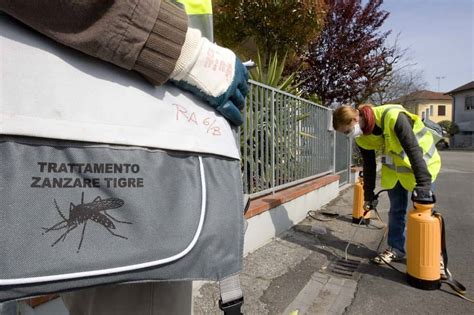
382 290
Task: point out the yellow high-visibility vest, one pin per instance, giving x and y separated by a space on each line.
396 166
200 16
197 6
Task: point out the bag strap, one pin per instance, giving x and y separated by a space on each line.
231 295
231 292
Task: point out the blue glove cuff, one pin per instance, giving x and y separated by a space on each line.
231 112
223 103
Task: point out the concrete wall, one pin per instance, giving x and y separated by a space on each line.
463 141
263 227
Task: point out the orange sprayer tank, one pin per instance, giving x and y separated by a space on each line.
423 247
358 207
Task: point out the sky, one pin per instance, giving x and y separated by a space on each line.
439 35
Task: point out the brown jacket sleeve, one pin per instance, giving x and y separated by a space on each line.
144 35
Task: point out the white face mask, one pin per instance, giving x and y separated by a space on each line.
356 131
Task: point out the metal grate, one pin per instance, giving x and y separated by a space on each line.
342 267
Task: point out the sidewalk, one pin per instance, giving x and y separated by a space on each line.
304 269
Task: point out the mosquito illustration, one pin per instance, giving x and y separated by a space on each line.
82 213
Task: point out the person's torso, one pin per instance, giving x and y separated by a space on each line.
395 162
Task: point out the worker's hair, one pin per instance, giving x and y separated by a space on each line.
343 116
364 105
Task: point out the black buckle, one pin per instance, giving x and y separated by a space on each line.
232 307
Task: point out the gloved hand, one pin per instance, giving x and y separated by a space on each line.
214 74
370 205
423 195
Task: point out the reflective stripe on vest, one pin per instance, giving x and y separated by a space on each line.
398 169
427 155
200 16
419 135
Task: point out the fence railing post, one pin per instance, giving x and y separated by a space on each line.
334 152
272 117
349 161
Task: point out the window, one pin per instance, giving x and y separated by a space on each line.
441 110
431 110
469 102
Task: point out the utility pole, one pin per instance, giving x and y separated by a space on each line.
439 79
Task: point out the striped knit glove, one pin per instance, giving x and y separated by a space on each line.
214 74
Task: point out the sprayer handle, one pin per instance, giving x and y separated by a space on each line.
423 196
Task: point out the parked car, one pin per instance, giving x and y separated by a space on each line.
443 144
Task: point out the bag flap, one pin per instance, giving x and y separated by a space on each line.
51 91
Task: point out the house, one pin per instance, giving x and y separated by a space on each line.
463 114
437 106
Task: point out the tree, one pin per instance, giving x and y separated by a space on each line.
403 80
271 26
398 84
349 59
450 127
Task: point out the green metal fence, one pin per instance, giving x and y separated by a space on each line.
286 140
343 158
